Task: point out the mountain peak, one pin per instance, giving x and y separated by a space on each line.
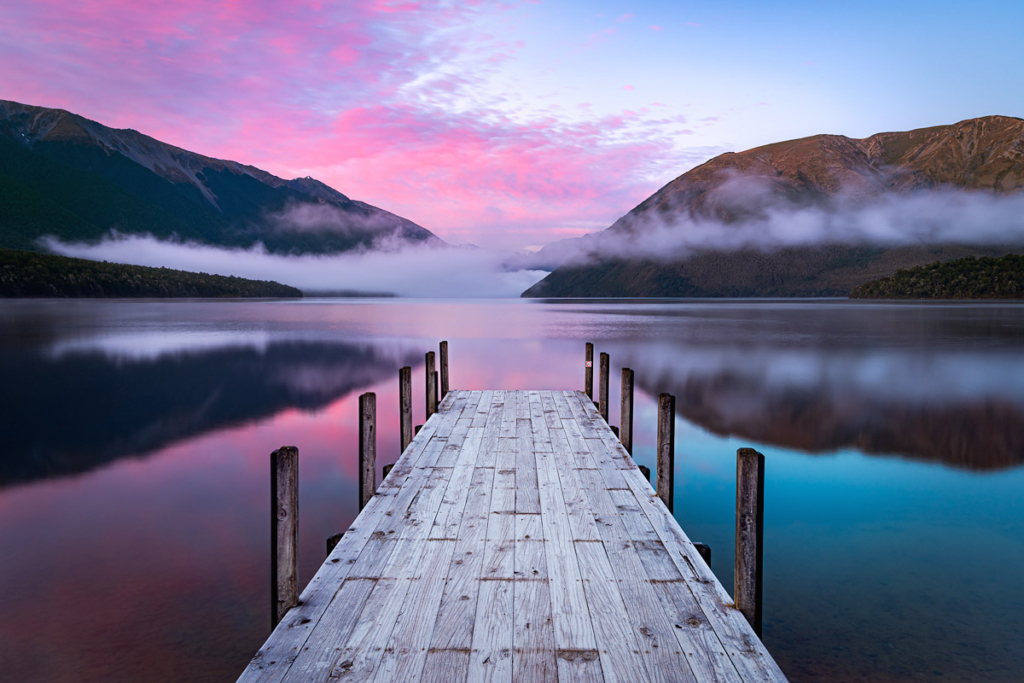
80 180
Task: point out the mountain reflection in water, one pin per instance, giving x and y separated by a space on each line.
80 407
167 411
960 409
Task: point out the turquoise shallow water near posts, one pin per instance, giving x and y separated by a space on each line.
891 433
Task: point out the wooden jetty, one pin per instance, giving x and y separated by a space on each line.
515 540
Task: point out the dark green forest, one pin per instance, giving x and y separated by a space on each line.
31 274
965 278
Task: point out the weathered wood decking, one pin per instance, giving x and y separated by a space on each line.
515 540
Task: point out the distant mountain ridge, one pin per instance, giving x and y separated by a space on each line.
75 179
983 155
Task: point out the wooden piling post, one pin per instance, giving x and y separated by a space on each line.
444 369
284 532
436 402
588 372
367 447
603 386
626 410
646 471
418 428
615 430
666 448
333 541
704 550
430 374
749 535
405 406
387 469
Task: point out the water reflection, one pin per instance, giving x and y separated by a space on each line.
80 404
961 409
161 555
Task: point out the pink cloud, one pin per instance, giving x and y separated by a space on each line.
655 27
624 18
351 93
627 87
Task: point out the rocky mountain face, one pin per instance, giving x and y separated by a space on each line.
77 180
831 173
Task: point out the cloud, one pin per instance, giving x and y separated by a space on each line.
411 271
762 218
390 102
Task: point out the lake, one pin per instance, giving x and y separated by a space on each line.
134 482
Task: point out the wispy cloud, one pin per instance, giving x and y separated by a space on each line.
388 101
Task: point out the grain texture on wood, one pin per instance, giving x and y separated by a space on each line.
284 531
603 386
514 540
749 535
626 411
444 369
588 371
405 407
367 447
429 373
666 448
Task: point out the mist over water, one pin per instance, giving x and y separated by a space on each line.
393 269
139 434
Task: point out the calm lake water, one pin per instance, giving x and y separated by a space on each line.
134 478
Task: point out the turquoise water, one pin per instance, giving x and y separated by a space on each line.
134 506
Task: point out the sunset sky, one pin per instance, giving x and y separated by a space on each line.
507 124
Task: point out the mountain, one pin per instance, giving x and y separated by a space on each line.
78 180
739 216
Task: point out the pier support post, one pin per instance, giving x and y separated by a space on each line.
418 428
444 369
646 471
284 531
387 469
626 411
430 373
749 535
615 430
333 541
603 387
588 372
405 406
666 448
704 550
367 447
436 401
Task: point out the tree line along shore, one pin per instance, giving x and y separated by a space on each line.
33 274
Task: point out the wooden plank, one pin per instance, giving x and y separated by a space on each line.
406 654
746 652
621 659
508 415
379 520
509 545
445 666
491 653
574 502
453 629
570 617
651 627
527 493
483 409
629 525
